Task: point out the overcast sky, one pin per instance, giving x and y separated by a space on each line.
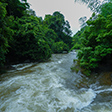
71 10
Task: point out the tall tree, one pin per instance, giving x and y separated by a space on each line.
96 41
29 41
16 7
5 32
61 27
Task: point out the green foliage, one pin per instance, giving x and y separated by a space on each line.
50 37
106 9
5 32
96 41
2 10
61 27
59 47
29 41
8 8
16 7
77 39
23 36
76 46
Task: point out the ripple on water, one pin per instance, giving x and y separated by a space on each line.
40 93
48 88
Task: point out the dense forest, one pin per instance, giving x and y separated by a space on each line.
94 41
26 37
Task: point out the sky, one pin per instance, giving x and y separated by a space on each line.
72 11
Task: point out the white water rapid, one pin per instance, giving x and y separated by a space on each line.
52 87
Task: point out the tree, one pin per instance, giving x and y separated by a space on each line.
29 41
82 21
59 47
16 7
31 12
23 36
96 42
5 32
50 37
106 9
61 27
94 5
76 39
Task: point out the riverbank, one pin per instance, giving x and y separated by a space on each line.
103 73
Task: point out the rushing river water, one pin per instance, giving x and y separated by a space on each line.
52 87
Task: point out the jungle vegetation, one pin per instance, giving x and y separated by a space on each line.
94 40
24 36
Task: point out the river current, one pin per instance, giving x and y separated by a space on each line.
52 87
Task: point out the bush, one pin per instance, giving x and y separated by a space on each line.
96 42
29 41
59 47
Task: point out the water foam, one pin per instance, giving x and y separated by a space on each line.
45 91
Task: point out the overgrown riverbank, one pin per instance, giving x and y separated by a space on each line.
94 42
24 36
102 74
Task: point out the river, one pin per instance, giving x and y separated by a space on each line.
52 87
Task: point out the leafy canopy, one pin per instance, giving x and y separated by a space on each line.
96 47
